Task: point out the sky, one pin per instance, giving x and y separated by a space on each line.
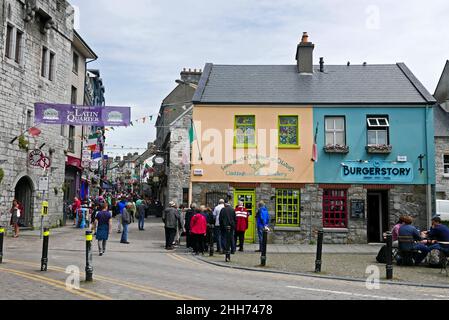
143 45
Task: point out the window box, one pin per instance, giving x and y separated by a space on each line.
382 149
336 149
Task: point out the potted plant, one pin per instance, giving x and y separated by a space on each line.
23 143
382 148
336 148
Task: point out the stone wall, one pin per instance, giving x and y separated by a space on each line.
442 182
21 85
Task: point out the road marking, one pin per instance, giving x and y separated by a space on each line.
136 287
345 293
57 284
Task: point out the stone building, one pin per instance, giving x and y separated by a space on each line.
172 178
81 55
442 136
343 148
36 65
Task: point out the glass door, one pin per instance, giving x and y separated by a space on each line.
248 197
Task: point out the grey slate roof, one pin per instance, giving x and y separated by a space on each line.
282 84
441 122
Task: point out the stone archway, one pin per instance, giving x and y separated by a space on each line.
24 192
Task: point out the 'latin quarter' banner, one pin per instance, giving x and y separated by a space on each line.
82 115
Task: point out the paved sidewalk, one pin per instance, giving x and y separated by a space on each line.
331 248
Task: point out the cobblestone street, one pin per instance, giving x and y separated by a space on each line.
143 270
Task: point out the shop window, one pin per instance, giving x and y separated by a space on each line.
288 132
335 210
288 208
378 131
245 132
71 139
335 131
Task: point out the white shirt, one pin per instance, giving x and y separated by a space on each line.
217 211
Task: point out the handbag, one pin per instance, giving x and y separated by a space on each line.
18 213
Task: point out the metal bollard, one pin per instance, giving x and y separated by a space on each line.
2 234
319 251
89 266
211 240
228 244
263 258
389 256
44 260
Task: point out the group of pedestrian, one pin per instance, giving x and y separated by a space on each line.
229 226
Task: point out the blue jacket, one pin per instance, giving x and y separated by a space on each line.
263 218
121 206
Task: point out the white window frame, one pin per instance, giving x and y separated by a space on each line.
377 122
334 131
446 175
374 125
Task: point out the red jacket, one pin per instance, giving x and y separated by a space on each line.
242 219
198 224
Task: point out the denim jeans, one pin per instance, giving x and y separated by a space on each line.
440 247
260 235
218 238
125 233
419 257
141 222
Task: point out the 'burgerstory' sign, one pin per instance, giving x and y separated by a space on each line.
377 171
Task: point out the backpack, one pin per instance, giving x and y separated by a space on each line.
382 255
435 259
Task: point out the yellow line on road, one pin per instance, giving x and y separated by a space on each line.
57 284
186 260
146 289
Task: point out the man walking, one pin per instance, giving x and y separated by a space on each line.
141 207
172 220
227 224
217 230
126 220
121 206
263 221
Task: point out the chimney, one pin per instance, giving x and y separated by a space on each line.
304 55
321 64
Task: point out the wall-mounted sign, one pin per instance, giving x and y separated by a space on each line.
75 115
198 172
402 159
377 172
357 209
85 164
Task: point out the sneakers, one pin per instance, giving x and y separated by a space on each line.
124 242
101 254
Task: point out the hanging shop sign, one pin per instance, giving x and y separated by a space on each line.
377 172
75 115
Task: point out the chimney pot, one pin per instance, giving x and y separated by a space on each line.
305 38
321 64
349 63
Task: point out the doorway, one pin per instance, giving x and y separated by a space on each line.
378 216
248 197
24 194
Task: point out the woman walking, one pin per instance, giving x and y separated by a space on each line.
103 225
15 216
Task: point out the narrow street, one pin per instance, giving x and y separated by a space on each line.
143 270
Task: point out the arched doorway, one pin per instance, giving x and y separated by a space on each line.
24 193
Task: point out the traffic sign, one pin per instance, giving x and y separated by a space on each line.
43 184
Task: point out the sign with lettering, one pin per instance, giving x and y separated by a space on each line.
377 172
75 115
357 209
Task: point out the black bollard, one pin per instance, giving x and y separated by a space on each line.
263 258
228 244
389 256
89 266
319 251
44 260
2 234
211 240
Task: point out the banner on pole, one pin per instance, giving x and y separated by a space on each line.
75 115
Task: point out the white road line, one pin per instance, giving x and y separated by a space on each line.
345 293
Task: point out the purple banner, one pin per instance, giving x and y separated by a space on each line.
82 115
